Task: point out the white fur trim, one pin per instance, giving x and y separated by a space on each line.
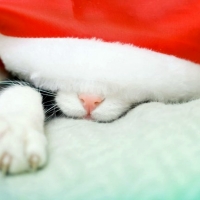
71 63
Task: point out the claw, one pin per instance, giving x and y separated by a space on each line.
34 162
5 163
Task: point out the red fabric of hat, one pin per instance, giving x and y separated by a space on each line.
171 27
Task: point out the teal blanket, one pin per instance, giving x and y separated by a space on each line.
153 153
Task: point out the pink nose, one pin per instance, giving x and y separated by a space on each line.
90 102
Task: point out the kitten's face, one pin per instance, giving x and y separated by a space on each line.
110 108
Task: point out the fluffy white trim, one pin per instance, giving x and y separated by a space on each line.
68 63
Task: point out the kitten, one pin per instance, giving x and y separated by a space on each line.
92 87
24 108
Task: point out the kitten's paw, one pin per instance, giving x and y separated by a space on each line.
21 147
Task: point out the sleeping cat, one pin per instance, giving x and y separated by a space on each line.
99 88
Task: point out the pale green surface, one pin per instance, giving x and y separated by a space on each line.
152 153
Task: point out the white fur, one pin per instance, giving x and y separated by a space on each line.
110 109
121 74
70 104
21 129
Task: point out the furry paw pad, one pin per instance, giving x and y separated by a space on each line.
21 147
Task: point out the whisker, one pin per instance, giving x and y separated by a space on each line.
46 92
47 104
54 113
10 82
50 109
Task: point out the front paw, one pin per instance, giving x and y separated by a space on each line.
21 147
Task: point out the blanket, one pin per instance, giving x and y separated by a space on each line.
151 153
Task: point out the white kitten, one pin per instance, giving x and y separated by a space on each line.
112 77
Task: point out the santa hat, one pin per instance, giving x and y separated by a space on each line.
169 27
